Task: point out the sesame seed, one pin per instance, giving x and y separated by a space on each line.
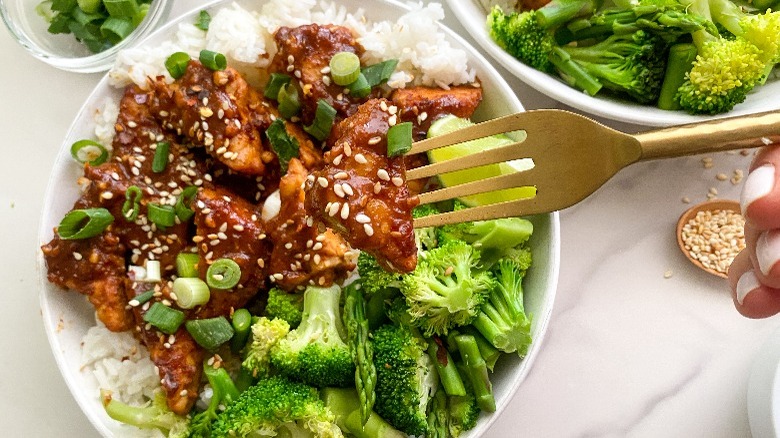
238 228
337 160
261 263
361 218
341 175
317 259
325 70
334 208
322 182
290 59
377 188
290 68
392 120
132 124
398 181
278 276
368 229
326 80
383 105
360 158
338 190
317 246
392 109
297 74
77 256
345 210
383 175
374 140
288 245
347 150
106 195
320 238
222 236
223 227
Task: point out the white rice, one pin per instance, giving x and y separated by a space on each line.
506 5
246 39
105 118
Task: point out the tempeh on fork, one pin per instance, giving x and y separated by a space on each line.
573 156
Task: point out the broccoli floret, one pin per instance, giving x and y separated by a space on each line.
502 319
762 30
445 290
373 277
521 35
265 334
425 238
406 378
316 352
345 405
631 64
494 238
438 417
224 391
264 408
155 415
284 305
724 72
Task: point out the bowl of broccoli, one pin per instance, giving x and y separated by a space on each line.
648 62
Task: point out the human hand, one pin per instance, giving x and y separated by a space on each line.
754 275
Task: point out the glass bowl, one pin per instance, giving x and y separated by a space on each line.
64 51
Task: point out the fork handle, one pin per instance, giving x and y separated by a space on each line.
754 130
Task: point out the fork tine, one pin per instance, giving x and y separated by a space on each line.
490 156
518 207
491 127
516 179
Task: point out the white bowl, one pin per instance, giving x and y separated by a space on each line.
472 15
67 316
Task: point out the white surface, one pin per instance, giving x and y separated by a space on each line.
628 352
67 317
472 15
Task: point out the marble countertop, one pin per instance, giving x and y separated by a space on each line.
640 342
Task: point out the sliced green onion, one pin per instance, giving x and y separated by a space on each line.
203 21
242 325
183 202
89 6
44 10
275 84
191 292
213 60
116 29
360 88
152 271
142 298
143 9
89 151
166 319
63 5
161 215
83 224
289 103
223 274
210 333
187 264
177 63
379 73
121 8
285 146
344 68
399 139
132 205
323 121
160 161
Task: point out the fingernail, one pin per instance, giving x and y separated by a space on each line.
768 250
747 283
758 184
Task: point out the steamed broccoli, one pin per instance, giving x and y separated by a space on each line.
224 391
728 68
284 305
463 410
316 352
345 405
425 238
631 64
502 319
155 415
373 277
445 290
271 404
406 378
494 238
266 333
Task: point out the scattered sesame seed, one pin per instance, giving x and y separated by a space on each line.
337 160
334 208
341 175
377 188
322 182
77 256
338 190
374 140
345 210
317 246
383 175
362 218
668 274
398 181
360 158
288 245
368 229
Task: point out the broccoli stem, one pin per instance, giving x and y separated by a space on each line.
343 403
558 12
242 325
763 5
361 348
448 373
437 417
476 370
489 353
224 389
572 73
680 62
727 14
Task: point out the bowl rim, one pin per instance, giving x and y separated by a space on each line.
159 10
49 314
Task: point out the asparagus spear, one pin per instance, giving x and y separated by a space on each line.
361 348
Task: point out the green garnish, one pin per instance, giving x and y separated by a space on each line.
203 20
286 147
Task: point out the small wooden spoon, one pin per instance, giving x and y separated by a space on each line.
713 206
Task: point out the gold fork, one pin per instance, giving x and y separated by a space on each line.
573 156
